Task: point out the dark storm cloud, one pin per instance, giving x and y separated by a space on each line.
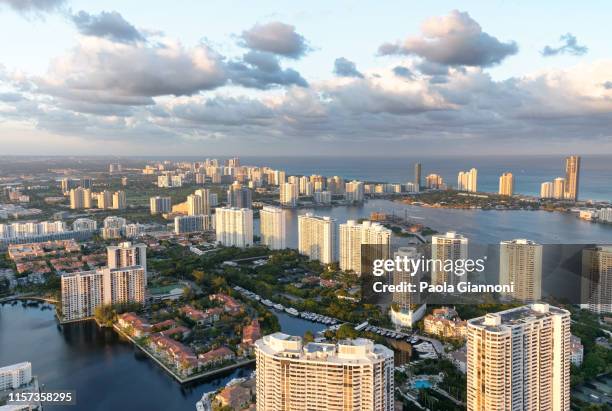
275 37
346 68
262 70
453 40
569 46
110 25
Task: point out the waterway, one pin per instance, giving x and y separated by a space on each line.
105 370
108 373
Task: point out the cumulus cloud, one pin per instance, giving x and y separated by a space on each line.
569 46
453 40
275 37
346 68
98 70
34 7
262 70
110 25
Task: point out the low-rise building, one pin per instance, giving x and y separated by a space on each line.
445 322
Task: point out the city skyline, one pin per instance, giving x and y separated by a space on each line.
278 82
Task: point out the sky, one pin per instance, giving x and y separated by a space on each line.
304 78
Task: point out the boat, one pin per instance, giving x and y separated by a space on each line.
205 403
292 311
279 307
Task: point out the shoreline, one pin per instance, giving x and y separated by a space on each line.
179 379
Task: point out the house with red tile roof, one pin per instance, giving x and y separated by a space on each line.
216 356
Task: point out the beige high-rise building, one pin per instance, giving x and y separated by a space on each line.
434 181
572 177
272 227
559 188
318 238
468 180
373 236
234 226
449 246
520 262
354 191
82 292
288 194
352 375
119 200
519 359
104 199
305 186
506 184
596 287
80 198
547 190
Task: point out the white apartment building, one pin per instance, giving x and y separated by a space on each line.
234 226
350 375
123 280
322 197
519 359
15 376
520 262
272 228
84 224
354 191
288 194
596 287
449 246
353 236
318 238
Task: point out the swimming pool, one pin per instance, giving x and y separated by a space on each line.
421 384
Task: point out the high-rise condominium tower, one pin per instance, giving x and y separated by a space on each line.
350 375
160 205
124 280
127 255
559 188
520 262
468 180
417 176
547 190
239 197
374 238
405 303
288 194
354 191
80 198
572 176
318 238
234 226
272 228
519 359
449 246
597 279
198 203
506 184
119 200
